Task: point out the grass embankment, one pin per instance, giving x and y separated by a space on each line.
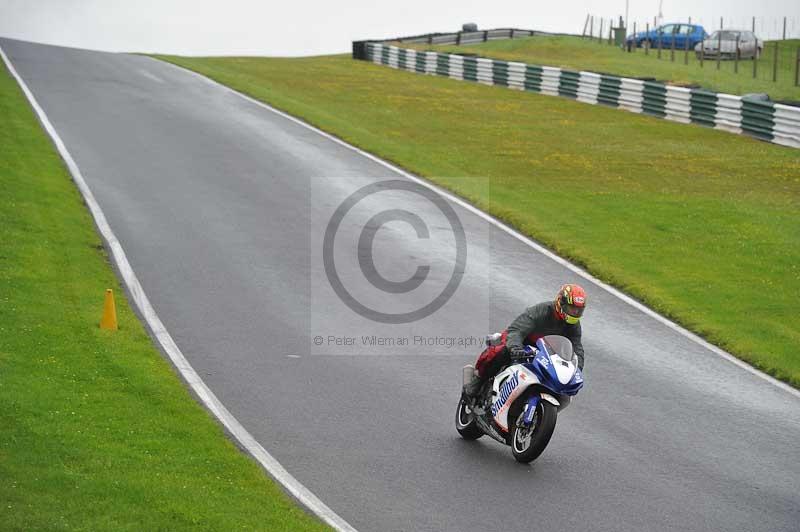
700 224
96 430
575 53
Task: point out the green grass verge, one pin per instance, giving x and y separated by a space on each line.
96 430
575 53
701 224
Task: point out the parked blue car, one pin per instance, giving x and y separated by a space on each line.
678 32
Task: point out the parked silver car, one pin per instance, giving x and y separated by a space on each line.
724 42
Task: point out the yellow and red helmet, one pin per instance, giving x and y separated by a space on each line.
570 303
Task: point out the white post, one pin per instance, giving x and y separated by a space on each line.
627 2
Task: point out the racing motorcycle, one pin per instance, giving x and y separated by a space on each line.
520 405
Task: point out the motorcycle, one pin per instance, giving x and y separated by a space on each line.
520 405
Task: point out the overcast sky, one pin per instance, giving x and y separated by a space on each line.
302 27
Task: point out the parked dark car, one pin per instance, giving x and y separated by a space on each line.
724 43
668 33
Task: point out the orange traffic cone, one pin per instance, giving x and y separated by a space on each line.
109 320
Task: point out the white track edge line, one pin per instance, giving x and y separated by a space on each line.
245 439
519 236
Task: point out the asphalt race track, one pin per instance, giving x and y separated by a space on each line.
222 208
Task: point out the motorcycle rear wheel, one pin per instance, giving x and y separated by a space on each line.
465 422
526 443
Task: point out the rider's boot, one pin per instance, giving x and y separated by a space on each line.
473 387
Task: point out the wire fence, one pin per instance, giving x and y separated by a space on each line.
767 28
762 48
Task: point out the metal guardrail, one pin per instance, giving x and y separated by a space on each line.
776 123
456 38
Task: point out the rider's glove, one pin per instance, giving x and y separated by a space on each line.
518 353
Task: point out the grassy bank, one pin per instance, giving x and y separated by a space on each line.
96 430
701 224
575 53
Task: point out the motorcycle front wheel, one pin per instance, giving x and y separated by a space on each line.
465 422
527 443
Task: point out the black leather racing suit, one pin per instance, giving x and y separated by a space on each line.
537 321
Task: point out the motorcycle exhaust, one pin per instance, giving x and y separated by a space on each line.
467 372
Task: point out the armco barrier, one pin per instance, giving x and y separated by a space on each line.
457 38
776 123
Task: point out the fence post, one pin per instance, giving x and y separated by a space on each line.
736 60
647 39
672 48
585 24
660 34
686 50
512 33
430 38
797 68
610 29
702 52
754 25
755 59
775 62
784 28
485 35
458 39
600 35
719 45
591 28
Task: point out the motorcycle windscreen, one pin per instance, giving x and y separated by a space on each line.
559 345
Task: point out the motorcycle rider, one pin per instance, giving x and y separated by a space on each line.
561 316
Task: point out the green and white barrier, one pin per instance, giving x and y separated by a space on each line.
768 121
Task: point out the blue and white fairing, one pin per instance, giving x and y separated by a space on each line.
552 369
556 365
